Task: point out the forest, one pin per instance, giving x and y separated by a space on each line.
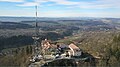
99 38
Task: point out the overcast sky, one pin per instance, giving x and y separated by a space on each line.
61 8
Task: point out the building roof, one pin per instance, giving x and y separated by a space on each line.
73 46
46 44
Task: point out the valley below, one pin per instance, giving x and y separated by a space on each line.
98 37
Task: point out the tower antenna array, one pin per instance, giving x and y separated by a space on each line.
36 21
36 36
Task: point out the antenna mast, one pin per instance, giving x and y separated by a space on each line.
36 37
36 21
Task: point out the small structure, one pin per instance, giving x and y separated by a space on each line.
60 49
74 50
46 44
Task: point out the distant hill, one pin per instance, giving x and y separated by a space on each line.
18 19
14 25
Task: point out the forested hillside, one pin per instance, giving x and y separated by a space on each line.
97 37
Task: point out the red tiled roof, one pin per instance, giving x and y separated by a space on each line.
73 46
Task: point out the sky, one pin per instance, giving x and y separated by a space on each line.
61 8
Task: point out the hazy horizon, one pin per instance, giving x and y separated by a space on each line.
55 17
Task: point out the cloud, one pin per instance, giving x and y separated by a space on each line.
64 2
35 2
111 3
96 4
11 0
77 14
100 4
59 2
29 4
